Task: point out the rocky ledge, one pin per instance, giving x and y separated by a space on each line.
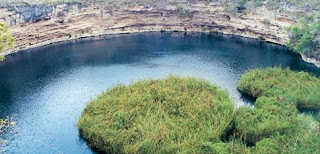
34 26
310 60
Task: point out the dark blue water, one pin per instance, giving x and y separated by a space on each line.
45 89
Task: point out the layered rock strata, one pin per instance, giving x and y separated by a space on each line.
38 25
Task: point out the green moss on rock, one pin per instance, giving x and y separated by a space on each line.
163 116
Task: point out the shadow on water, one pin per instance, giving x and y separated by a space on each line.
314 113
251 100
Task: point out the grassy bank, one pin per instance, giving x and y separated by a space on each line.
164 116
282 85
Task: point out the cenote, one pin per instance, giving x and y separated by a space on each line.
45 89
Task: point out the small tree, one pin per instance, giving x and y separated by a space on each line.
305 39
6 40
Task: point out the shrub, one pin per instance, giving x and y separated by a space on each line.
163 116
6 41
6 126
183 12
304 38
266 22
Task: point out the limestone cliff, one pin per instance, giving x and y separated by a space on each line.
38 25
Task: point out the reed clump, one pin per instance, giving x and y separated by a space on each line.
299 88
274 125
170 115
188 115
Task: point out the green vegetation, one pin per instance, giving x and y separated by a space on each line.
187 115
274 125
6 41
288 87
305 38
283 6
263 134
302 138
183 12
163 116
6 125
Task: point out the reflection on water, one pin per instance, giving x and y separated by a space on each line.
46 88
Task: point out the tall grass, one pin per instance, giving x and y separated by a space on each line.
299 88
158 116
187 115
274 125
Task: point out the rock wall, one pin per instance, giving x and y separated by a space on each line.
39 25
23 14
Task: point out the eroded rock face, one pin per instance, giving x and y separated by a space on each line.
23 14
34 26
33 13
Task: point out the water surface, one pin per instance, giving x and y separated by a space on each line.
45 89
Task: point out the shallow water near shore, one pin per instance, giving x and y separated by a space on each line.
45 89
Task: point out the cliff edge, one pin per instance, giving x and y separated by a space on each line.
38 25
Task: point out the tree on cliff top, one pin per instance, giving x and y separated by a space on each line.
305 37
6 41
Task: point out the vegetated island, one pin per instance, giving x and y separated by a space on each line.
275 123
188 115
158 116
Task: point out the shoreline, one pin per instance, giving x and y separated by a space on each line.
103 35
68 22
310 60
82 37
